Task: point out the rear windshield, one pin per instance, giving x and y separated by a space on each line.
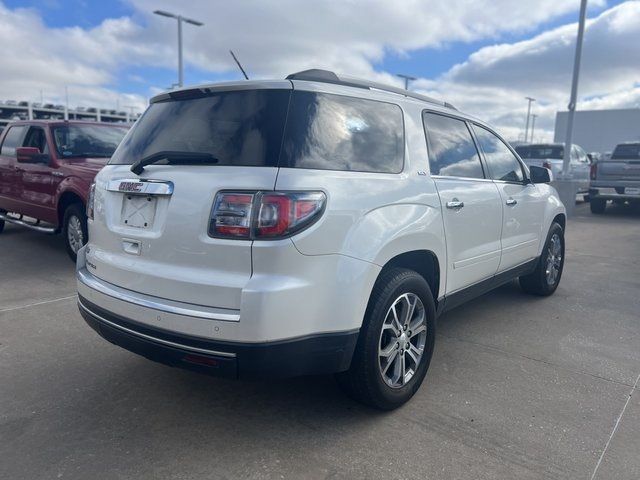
273 128
87 140
627 152
540 151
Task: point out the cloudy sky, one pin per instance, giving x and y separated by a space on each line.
484 56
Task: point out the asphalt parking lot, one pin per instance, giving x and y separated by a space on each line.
519 387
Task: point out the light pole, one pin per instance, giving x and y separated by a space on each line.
533 125
407 79
574 90
180 19
526 128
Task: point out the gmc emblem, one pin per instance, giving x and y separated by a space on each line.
130 186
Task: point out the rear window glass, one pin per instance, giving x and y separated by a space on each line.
12 140
540 151
628 152
238 128
333 132
74 141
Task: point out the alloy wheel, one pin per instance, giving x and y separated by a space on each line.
402 340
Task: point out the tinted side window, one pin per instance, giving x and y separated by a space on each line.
334 132
503 165
12 140
452 151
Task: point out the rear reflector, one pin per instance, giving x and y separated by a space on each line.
264 215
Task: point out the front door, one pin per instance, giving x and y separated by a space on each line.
38 188
471 204
522 203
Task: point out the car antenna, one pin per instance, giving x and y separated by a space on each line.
239 66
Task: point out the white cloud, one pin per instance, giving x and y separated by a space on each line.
275 38
493 82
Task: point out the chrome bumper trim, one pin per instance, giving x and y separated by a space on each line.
155 339
147 301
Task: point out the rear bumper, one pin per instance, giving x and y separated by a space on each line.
310 355
612 193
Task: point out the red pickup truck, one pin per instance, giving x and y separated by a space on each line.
46 170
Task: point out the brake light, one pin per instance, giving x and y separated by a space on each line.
593 172
264 215
91 201
231 216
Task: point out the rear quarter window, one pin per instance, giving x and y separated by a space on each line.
334 132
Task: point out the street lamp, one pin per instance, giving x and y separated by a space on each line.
407 79
180 19
533 125
526 128
574 89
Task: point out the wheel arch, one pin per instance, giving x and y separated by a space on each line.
423 262
67 198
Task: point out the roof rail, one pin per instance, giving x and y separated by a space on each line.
327 76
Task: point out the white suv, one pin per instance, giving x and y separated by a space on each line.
313 225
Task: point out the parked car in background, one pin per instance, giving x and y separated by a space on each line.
311 225
551 155
616 178
46 168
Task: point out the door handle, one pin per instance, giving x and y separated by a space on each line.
455 203
512 201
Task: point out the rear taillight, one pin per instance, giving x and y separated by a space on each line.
593 172
264 215
91 200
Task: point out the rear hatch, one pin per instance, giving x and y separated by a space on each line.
624 164
150 232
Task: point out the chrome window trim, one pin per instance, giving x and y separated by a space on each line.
146 301
155 339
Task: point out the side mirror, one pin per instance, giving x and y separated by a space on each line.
540 174
31 155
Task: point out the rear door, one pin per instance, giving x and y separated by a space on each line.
471 203
522 204
9 179
151 231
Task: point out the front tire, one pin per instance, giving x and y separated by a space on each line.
396 342
74 229
545 278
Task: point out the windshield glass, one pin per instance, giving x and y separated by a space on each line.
238 128
87 140
540 151
630 151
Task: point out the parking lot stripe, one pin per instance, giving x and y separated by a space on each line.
19 307
615 427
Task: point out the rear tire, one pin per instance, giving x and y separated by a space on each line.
390 360
545 278
597 205
74 229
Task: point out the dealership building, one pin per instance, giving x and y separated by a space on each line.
600 130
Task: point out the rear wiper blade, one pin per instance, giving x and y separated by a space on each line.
181 157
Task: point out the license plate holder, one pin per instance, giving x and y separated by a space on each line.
138 211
